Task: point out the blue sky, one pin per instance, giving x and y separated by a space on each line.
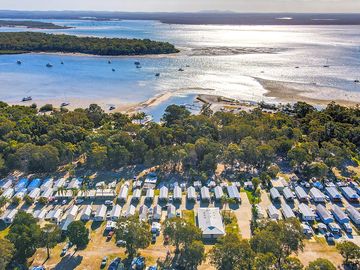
187 5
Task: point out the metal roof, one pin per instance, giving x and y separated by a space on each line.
205 194
324 214
150 193
164 193
233 192
218 192
287 211
316 193
34 184
101 211
300 193
333 192
273 212
124 191
191 193
115 211
349 193
288 193
130 211
137 194
171 211
339 214
210 221
177 193
353 214
274 193
306 210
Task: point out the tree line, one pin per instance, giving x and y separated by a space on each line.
22 42
312 142
31 24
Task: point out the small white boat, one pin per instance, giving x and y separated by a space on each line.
64 104
18 62
26 98
157 75
49 65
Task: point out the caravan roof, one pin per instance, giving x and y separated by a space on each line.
218 192
164 193
210 221
86 213
275 194
191 193
288 195
324 214
300 193
339 214
150 193
205 193
171 211
233 192
177 193
115 212
273 212
130 211
123 193
333 193
353 214
137 194
316 194
8 193
287 211
35 193
34 184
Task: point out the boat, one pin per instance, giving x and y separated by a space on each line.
109 62
187 65
64 104
62 62
113 69
180 69
327 64
111 108
157 75
138 66
18 62
297 67
26 98
137 63
356 81
49 65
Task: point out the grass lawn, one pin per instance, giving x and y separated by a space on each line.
231 225
4 232
189 216
253 199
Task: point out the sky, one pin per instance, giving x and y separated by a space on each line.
321 6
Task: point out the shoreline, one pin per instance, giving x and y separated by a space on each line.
291 92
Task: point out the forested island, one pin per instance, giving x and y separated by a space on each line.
26 42
31 24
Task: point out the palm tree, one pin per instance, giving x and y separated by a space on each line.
61 190
84 190
74 192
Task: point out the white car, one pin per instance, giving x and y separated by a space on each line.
109 203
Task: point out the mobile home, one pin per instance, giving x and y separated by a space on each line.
177 194
273 212
316 195
100 213
306 212
333 194
191 194
288 195
339 214
275 194
164 194
205 194
301 194
324 214
287 211
115 212
233 193
218 192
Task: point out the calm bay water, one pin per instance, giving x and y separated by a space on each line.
92 78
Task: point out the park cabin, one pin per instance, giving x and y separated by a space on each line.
288 194
233 193
34 194
143 212
171 211
75 183
177 194
210 222
40 214
191 194
260 211
157 212
8 194
353 214
355 186
149 195
65 223
86 213
347 228
21 193
275 194
301 194
124 191
334 228
324 214
339 214
130 211
8 217
218 193
47 183
54 215
73 211
316 195
5 184
307 214
205 194
350 194
307 230
22 184
115 212
164 194
198 185
136 195
287 211
100 213
333 193
273 212
279 183
248 185
35 183
47 193
60 183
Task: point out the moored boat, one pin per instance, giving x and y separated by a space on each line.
26 98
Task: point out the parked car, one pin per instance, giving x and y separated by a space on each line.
63 251
166 239
329 237
121 243
153 239
104 262
114 264
110 235
64 202
79 201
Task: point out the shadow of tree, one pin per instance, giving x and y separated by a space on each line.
69 262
